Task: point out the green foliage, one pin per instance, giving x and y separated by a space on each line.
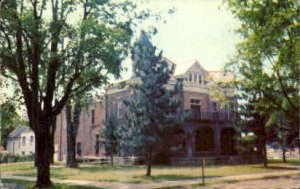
267 65
65 53
10 158
56 50
111 135
153 123
9 120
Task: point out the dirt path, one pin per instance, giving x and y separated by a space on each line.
274 183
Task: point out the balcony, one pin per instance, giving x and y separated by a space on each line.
210 116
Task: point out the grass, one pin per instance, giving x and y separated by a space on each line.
22 166
136 174
30 184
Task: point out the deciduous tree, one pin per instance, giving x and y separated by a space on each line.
267 61
56 50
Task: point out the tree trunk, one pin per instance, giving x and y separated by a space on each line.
149 162
283 155
298 141
265 153
52 133
72 127
299 147
111 157
43 152
71 151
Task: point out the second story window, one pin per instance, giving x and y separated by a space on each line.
196 107
119 109
190 77
215 106
200 79
31 140
23 141
93 116
195 78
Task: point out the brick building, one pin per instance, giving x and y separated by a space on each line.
210 130
88 137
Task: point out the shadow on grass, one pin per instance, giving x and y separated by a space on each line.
97 168
277 167
169 177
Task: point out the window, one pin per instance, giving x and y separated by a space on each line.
195 78
23 153
215 106
196 107
232 108
93 116
31 140
119 109
200 79
97 145
195 101
23 141
190 77
78 149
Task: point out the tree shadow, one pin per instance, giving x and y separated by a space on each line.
170 177
277 167
97 168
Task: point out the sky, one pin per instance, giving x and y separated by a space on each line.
202 30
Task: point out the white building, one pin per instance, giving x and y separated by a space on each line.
21 141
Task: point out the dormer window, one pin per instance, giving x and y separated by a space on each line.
190 77
200 79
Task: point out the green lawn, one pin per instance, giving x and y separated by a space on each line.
136 174
30 184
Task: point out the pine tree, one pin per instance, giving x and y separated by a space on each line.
111 137
152 124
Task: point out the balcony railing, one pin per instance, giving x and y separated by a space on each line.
210 116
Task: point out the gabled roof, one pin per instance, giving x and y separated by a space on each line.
18 131
191 66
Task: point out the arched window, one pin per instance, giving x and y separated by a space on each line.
205 140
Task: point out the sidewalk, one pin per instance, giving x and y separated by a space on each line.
163 184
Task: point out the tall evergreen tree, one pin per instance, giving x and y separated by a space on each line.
153 107
111 136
